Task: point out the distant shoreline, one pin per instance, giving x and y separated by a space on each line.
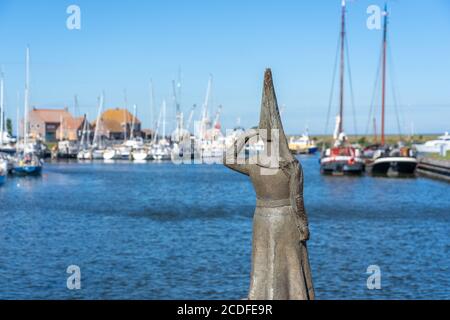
366 140
371 135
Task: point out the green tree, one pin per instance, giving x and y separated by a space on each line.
9 127
362 140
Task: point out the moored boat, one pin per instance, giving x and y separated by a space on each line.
342 157
84 155
97 154
110 154
302 145
27 164
67 149
439 145
141 154
27 161
161 151
391 161
84 145
7 159
3 171
97 150
392 166
124 152
383 159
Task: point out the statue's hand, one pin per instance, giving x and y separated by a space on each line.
251 133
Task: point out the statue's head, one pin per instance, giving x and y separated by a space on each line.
270 126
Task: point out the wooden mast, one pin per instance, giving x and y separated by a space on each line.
375 130
341 101
383 90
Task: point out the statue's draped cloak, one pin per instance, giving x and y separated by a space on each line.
280 264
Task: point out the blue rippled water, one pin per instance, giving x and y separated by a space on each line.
161 231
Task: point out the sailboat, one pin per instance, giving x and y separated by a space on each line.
2 112
183 142
5 147
143 152
140 153
6 141
124 151
27 162
181 137
67 148
110 154
134 147
387 160
3 170
210 140
160 149
97 149
83 152
342 157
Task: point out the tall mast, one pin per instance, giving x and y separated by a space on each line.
61 128
179 84
88 133
83 133
191 115
2 108
205 108
125 118
383 90
26 99
18 120
97 124
341 100
152 106
177 97
217 118
176 90
75 105
164 119
133 123
375 130
158 123
207 98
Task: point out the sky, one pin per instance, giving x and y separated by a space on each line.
122 45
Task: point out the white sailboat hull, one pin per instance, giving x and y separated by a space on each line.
110 155
140 155
392 166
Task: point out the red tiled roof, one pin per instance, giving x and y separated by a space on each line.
72 123
113 120
111 126
119 115
51 115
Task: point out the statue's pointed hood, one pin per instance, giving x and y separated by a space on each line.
270 117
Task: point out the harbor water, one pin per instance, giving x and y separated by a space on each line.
162 231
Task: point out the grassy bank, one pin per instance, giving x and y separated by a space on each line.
365 140
439 157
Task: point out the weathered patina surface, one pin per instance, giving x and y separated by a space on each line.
280 263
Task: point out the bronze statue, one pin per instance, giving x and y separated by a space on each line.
280 263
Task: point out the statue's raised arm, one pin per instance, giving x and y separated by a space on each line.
232 158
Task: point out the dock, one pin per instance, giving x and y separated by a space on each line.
434 168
